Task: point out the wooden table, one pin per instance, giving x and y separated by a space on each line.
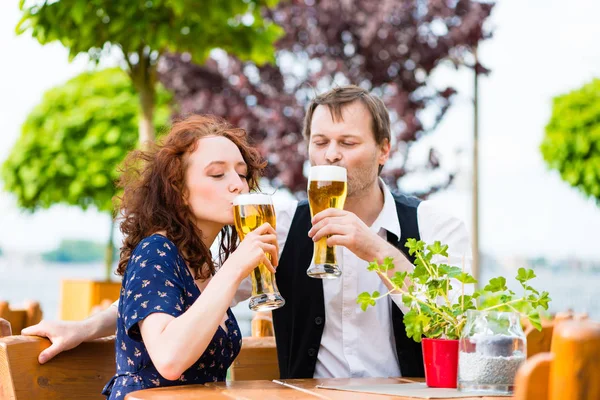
305 389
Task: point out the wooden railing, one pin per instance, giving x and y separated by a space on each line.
31 314
80 373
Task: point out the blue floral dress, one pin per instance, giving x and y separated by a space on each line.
157 280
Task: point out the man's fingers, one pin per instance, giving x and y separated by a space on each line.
338 240
35 330
325 221
330 212
329 229
49 353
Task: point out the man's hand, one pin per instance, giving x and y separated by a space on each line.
346 229
64 336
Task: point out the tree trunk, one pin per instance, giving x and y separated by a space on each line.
146 125
110 250
143 76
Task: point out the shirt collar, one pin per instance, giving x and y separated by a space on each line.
388 217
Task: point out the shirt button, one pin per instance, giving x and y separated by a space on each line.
318 320
312 352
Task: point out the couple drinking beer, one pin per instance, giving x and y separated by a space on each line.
320 331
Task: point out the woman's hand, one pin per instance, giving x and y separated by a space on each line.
253 250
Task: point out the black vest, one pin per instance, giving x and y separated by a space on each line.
299 324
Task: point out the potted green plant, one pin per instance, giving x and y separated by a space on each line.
436 319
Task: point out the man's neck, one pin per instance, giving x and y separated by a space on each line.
367 204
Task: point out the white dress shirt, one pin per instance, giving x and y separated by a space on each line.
356 343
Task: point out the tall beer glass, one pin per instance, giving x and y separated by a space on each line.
251 211
327 188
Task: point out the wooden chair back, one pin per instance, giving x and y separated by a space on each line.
80 373
257 360
258 357
539 341
570 371
31 314
5 329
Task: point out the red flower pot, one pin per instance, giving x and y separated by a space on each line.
440 357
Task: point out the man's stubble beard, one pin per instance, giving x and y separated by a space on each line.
362 182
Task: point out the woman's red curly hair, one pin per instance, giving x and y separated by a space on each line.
154 192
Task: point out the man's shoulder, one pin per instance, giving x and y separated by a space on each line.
405 200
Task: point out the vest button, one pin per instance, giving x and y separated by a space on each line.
318 320
312 352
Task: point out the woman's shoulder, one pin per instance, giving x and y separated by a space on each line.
155 247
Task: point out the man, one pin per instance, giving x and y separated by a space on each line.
321 331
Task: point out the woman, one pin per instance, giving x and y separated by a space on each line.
174 323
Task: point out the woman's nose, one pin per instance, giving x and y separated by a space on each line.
236 185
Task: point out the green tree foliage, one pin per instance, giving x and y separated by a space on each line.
572 141
72 142
139 32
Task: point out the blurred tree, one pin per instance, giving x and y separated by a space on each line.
139 32
572 141
390 46
72 142
76 251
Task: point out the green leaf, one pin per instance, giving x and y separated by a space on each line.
373 266
420 274
543 300
398 278
496 285
525 275
451 271
438 248
388 264
534 318
365 300
531 289
465 277
414 246
416 324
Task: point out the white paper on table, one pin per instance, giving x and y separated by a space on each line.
416 390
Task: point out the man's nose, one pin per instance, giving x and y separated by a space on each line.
333 155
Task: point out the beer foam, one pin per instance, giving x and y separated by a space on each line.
252 198
327 173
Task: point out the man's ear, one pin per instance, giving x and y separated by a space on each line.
384 148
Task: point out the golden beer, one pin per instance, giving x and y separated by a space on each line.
251 211
327 188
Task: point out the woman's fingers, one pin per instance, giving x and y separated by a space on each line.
272 251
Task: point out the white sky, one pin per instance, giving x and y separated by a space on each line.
540 49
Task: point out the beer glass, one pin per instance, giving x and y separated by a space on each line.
250 211
326 189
